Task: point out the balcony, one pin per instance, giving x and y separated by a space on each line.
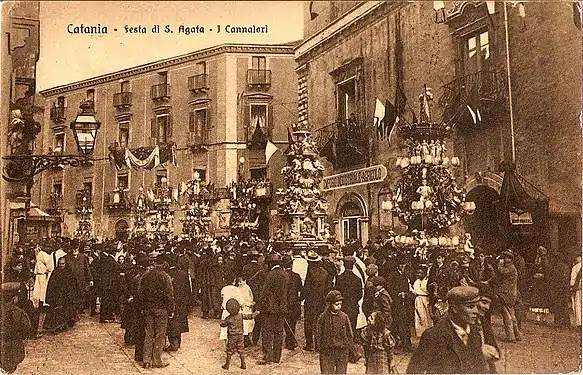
90 102
198 82
259 78
490 90
118 200
197 141
343 143
122 100
55 203
160 91
58 115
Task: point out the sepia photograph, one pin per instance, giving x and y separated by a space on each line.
291 187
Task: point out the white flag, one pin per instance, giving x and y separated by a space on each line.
491 6
379 115
270 149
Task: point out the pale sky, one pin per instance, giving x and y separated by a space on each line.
66 58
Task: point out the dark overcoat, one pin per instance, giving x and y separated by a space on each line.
350 286
181 287
441 351
273 298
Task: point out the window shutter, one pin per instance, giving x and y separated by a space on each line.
191 122
270 125
154 131
169 126
208 127
247 120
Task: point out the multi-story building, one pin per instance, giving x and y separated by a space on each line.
20 110
520 65
211 104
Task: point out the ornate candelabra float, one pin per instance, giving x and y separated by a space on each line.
197 219
162 223
301 205
248 199
426 196
140 215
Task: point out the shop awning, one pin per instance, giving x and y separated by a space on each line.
34 213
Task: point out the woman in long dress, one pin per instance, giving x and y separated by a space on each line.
42 270
62 292
422 312
229 291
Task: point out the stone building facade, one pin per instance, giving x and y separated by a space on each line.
356 52
208 103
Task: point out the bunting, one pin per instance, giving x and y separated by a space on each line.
142 157
379 115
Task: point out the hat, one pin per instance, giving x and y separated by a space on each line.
350 260
141 259
287 260
463 294
153 255
334 296
377 280
313 256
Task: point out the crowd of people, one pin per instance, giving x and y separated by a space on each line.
354 300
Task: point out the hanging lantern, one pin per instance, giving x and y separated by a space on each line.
445 161
404 163
428 159
428 204
441 241
398 162
434 241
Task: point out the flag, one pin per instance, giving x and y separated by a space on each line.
491 6
270 149
439 8
379 115
473 104
329 149
577 14
391 119
290 140
453 108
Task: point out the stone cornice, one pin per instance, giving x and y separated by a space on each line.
166 63
347 25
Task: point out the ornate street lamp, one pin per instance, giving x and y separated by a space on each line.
23 167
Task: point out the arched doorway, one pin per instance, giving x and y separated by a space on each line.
484 224
121 230
352 219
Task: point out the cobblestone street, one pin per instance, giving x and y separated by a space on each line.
93 348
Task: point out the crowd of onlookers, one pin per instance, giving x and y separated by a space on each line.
354 300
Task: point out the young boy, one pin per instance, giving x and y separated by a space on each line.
234 324
334 335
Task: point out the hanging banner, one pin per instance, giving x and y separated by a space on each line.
142 157
357 177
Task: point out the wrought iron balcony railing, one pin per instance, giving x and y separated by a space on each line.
55 202
122 100
197 140
83 201
198 82
58 114
343 142
491 86
118 200
160 91
259 77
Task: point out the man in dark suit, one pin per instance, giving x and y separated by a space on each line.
453 345
254 274
109 284
294 303
317 285
273 307
350 286
402 308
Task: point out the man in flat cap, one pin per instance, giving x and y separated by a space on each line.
454 344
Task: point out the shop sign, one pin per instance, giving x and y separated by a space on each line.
362 176
520 218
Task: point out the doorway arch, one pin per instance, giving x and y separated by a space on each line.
352 218
122 230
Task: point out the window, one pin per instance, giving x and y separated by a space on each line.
198 125
123 180
201 67
258 118
125 86
88 187
201 174
91 95
161 129
258 174
163 77
61 102
476 52
124 133
346 96
59 143
258 62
